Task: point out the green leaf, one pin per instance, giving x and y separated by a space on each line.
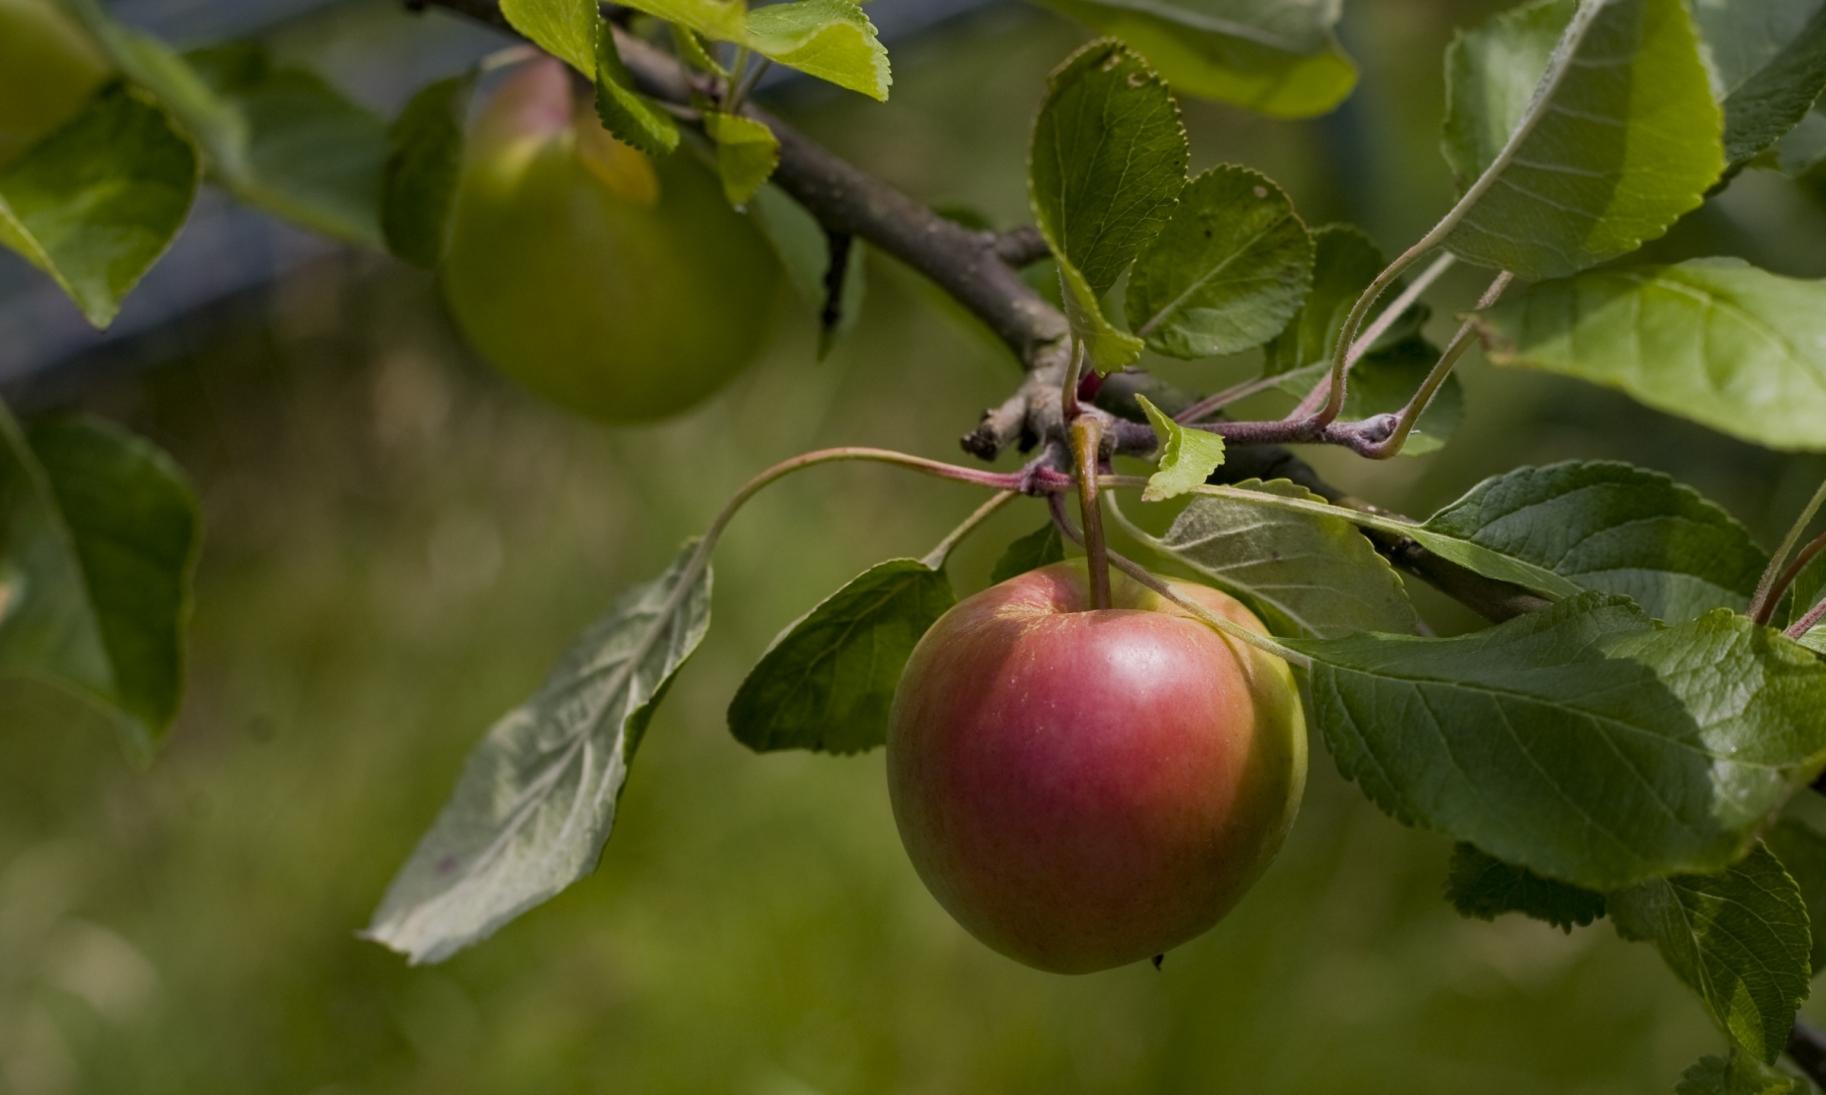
1229 271
537 798
95 203
1770 59
1577 131
826 682
1741 1074
746 154
1108 161
1809 586
1344 263
98 544
1041 547
1484 887
1584 742
1310 574
424 159
1739 938
1276 58
1815 639
566 29
1802 851
830 39
1719 342
311 155
627 114
1187 457
279 138
1614 528
689 46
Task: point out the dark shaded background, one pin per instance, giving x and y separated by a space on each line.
399 543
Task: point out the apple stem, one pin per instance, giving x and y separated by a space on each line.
1087 441
1217 623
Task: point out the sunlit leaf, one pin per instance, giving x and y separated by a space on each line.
1584 741
1278 58
830 39
1577 131
1722 343
98 201
537 798
1227 273
1738 937
1187 456
566 29
826 682
746 154
1108 161
627 114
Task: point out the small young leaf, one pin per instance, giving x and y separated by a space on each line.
98 201
1584 742
1108 161
537 797
1227 273
1278 58
1041 547
1309 574
830 39
424 159
98 544
1717 341
566 29
826 682
1611 527
1739 938
1484 887
1740 1074
1802 851
627 114
1187 456
690 49
1590 122
717 20
746 154
303 150
1771 64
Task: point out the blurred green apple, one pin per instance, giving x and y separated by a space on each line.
48 69
619 286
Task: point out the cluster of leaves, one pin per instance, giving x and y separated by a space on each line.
1620 753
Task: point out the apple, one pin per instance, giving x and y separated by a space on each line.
619 286
1084 788
48 69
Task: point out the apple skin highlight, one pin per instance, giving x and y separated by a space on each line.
1082 789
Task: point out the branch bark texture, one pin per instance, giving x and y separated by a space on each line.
981 271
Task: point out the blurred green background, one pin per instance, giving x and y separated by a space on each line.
399 543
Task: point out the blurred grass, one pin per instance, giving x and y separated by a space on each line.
400 543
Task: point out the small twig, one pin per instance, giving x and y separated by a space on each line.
1022 246
1436 377
1361 344
1805 624
1217 401
1770 588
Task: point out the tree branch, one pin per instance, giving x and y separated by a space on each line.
981 271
